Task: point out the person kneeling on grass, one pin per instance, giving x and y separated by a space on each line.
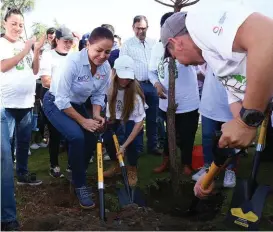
126 105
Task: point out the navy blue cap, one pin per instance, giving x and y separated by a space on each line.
85 37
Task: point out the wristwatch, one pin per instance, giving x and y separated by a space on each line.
250 117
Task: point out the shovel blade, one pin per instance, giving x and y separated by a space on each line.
247 205
136 197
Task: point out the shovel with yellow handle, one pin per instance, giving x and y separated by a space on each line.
222 158
100 178
127 195
248 197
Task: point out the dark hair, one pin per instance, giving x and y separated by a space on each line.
100 33
50 31
139 18
164 18
12 11
117 36
54 43
109 27
2 35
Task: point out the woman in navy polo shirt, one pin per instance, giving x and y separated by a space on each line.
85 73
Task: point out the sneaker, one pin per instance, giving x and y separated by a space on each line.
42 144
84 197
28 179
10 226
91 160
34 146
230 179
197 175
68 169
106 157
55 172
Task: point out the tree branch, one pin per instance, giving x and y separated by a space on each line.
188 4
21 6
14 4
165 4
173 1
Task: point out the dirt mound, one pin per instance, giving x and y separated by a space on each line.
53 206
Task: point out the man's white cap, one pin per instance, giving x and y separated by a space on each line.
124 66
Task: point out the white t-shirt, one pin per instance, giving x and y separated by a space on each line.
138 113
186 86
214 101
50 64
47 47
215 36
17 84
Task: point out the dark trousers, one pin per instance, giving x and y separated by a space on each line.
152 101
186 125
54 141
54 145
81 142
123 131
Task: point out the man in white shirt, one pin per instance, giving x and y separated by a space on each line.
227 35
139 49
228 39
186 98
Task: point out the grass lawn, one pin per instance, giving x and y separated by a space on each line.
39 163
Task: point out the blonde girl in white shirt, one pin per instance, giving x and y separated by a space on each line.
125 111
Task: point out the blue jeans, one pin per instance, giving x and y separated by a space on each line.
8 207
209 127
81 143
21 120
152 100
132 151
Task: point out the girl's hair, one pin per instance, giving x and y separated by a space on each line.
12 11
54 43
50 31
130 96
100 33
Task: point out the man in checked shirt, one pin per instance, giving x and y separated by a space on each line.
139 48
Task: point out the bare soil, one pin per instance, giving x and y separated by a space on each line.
53 206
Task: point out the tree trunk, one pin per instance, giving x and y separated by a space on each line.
177 8
174 163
